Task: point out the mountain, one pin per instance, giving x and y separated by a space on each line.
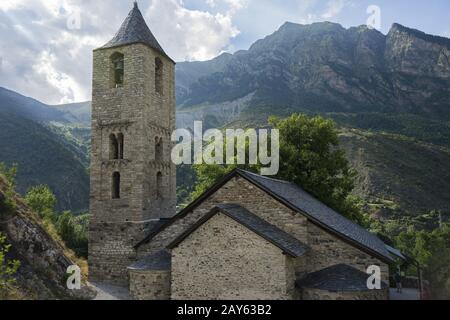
19 105
43 257
76 113
45 154
324 67
188 73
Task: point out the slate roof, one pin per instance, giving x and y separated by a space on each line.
299 200
135 30
159 261
319 212
396 252
269 232
338 278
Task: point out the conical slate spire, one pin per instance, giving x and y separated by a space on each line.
134 30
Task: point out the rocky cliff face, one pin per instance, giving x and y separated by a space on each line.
324 67
43 260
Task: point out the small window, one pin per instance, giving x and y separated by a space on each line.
118 66
159 151
116 185
120 143
159 186
159 67
113 147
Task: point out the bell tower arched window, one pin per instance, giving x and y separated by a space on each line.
159 68
113 147
159 185
118 67
120 141
115 189
159 149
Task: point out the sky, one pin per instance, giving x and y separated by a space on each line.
46 45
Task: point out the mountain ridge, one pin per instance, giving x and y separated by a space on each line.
325 67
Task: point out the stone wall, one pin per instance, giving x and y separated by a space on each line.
224 260
150 284
111 251
316 294
143 116
327 250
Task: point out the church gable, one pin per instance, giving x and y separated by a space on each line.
223 259
235 190
284 241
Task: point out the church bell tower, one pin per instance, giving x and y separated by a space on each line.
132 176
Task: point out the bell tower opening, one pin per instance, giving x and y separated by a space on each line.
159 186
113 147
159 69
159 149
116 185
120 142
118 70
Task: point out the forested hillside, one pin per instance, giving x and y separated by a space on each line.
45 154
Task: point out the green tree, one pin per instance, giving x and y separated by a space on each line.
73 230
42 200
9 173
309 157
7 202
432 251
7 268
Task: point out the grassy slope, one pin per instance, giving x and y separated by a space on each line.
399 175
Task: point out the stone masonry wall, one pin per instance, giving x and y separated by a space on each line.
150 285
111 251
328 250
224 260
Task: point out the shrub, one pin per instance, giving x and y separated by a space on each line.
8 268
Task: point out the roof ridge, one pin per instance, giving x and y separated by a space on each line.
265 177
308 193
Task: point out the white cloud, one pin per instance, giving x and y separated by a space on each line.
334 7
233 5
190 34
11 5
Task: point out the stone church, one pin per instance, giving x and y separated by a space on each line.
247 237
